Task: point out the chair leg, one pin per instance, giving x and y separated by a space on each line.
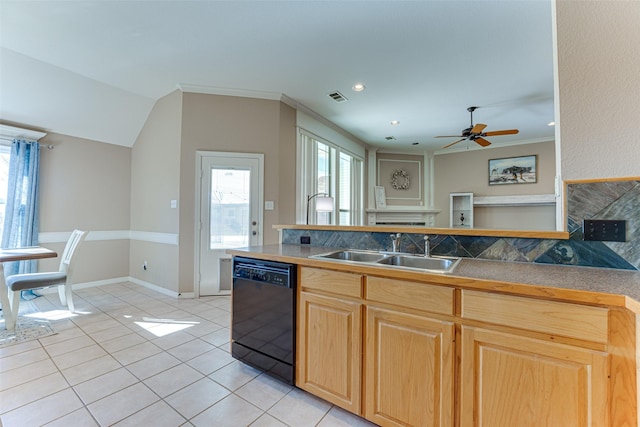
15 307
61 294
69 297
7 313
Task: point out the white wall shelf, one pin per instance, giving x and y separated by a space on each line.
516 200
461 210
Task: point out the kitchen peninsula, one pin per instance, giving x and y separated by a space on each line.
493 343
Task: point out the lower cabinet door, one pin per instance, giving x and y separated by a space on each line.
409 369
329 349
511 380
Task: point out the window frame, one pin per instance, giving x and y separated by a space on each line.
309 176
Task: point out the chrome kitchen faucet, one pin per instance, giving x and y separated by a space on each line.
395 242
427 246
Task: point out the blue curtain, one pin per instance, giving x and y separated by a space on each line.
22 208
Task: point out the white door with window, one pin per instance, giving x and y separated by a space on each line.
230 214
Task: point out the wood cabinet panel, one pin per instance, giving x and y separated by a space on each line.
409 369
329 349
421 296
507 380
556 318
335 282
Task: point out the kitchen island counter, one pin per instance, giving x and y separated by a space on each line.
597 286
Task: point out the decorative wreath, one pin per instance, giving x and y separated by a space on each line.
400 180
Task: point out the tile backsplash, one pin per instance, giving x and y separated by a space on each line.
619 200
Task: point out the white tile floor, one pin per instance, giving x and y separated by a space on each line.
134 357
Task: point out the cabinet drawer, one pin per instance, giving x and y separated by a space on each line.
331 281
551 317
421 296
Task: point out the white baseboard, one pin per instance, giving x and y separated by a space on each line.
160 289
54 290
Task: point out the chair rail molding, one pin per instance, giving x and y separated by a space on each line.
101 235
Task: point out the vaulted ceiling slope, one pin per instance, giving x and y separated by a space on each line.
94 69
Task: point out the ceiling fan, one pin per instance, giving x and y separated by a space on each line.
475 133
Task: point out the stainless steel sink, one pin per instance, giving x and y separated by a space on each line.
352 255
443 265
392 259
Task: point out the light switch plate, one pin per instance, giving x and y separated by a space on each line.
604 230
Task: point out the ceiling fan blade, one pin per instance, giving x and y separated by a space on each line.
501 132
482 141
448 136
478 128
455 142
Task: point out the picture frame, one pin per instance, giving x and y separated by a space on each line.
412 193
380 197
513 170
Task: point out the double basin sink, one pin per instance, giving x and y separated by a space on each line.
400 260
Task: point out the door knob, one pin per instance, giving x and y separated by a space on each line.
254 223
254 232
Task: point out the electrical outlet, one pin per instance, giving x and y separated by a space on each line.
145 265
604 230
305 240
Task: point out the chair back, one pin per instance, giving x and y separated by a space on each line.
75 240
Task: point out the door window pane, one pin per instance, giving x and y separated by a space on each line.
229 218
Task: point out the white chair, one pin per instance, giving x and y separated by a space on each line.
63 278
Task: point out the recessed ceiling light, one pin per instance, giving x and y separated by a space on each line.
358 87
395 122
551 124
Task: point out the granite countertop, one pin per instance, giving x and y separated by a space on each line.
600 286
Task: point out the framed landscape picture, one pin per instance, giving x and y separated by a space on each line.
513 170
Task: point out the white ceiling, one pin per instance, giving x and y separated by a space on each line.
93 69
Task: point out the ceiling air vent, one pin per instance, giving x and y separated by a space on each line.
337 96
390 138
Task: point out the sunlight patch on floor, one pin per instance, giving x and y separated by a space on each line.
162 327
55 314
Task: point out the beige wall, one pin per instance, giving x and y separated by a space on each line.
233 124
285 212
85 184
155 179
468 171
599 90
156 169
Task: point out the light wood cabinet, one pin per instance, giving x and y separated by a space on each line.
510 380
329 338
409 365
409 357
407 353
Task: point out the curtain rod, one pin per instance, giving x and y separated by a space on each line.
48 146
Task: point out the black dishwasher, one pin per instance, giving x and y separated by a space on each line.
263 316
